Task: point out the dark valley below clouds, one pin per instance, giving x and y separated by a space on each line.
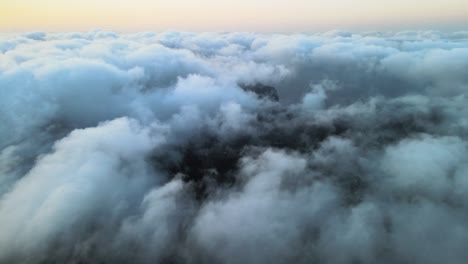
234 148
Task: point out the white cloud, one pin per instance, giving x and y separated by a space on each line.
144 147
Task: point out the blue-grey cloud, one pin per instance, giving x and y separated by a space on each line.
172 148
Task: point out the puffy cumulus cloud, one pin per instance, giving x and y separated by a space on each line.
173 148
89 177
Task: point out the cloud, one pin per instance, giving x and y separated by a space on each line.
151 147
91 173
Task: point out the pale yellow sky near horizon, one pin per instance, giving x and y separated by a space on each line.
240 15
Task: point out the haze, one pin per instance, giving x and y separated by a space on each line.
241 15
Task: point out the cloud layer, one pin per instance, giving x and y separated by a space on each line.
158 148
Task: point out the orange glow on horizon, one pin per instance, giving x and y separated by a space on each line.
210 15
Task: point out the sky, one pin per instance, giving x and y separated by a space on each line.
240 15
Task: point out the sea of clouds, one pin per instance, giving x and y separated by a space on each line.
149 148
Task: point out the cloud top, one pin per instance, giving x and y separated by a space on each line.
173 148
